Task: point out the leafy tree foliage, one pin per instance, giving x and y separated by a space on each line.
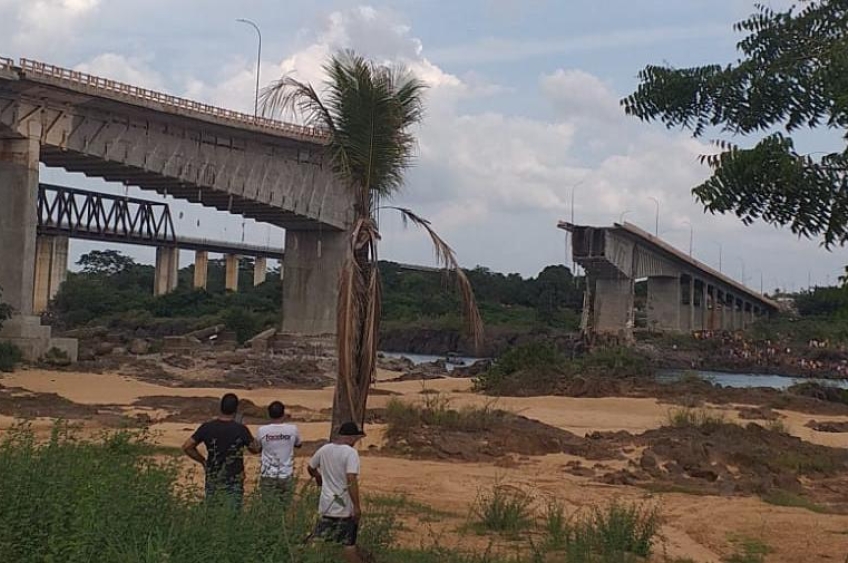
107 262
793 75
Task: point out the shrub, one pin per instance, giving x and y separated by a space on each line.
504 509
436 411
608 534
10 356
686 417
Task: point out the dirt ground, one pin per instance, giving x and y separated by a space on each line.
702 527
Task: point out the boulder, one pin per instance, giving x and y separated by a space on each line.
138 346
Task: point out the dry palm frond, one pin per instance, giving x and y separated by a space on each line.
446 258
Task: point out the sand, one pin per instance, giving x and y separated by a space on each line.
703 528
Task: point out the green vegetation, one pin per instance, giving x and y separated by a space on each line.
5 309
748 550
10 356
780 497
119 498
539 368
112 290
698 418
789 77
503 509
436 411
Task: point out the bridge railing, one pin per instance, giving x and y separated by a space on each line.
6 63
143 94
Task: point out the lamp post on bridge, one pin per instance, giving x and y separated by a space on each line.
657 218
258 63
691 236
623 213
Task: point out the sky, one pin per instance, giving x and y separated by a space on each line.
522 114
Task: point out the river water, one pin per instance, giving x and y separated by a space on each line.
744 380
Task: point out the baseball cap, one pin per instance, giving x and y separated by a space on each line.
350 429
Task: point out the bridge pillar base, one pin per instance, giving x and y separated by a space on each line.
51 269
260 269
312 263
167 266
613 307
34 339
231 272
201 269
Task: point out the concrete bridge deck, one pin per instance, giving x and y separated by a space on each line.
683 293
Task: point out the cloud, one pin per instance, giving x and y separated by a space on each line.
46 22
500 50
133 71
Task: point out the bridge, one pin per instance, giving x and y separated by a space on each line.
683 293
260 168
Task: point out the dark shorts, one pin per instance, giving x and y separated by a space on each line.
229 492
337 530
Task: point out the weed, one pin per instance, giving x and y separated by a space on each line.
748 550
504 509
555 525
777 426
699 418
435 410
780 497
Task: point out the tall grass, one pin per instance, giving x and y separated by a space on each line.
70 501
503 509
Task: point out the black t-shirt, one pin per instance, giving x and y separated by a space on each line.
224 441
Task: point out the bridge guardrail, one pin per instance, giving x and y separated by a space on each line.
6 63
143 94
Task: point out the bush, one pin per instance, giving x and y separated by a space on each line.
608 534
503 509
10 356
699 418
436 411
540 369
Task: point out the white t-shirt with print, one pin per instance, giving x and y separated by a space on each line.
335 462
278 443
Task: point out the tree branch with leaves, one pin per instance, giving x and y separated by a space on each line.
792 76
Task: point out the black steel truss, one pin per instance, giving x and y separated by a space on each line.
92 215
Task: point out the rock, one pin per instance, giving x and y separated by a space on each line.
103 348
119 351
138 346
475 369
176 361
85 355
648 462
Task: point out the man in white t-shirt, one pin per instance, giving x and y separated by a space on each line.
278 441
335 467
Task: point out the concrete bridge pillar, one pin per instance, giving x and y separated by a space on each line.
167 266
663 303
18 227
51 269
260 269
312 263
613 305
201 269
231 271
18 221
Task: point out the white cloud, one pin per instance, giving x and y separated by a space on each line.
46 22
133 71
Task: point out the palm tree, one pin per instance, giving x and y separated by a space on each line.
368 111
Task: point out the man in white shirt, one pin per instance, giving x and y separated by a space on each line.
335 467
278 441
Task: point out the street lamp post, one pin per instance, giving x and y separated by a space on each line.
623 213
742 262
657 218
258 63
691 236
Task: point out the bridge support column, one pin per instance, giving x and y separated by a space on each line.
18 226
663 303
260 269
201 269
51 269
613 307
231 271
312 263
167 266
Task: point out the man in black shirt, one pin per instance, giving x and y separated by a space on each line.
225 440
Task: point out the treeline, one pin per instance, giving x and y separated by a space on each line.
111 289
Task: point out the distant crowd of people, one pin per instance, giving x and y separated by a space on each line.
766 353
334 467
